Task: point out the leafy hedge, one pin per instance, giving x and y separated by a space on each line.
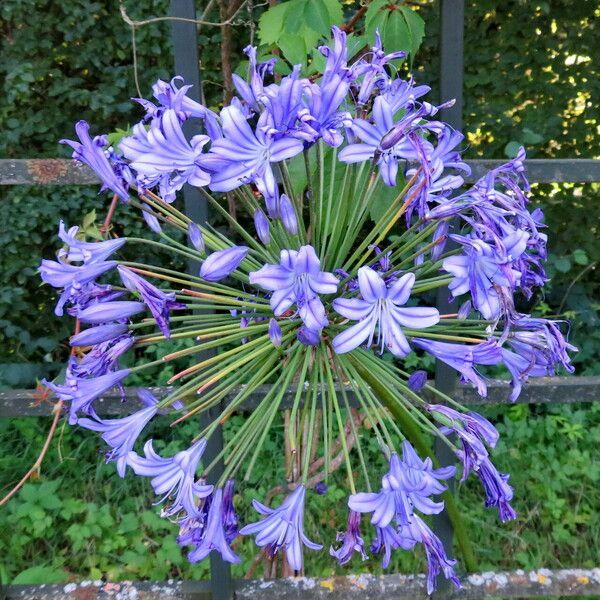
529 78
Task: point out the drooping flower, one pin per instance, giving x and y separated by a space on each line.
121 434
81 393
175 476
297 279
381 308
214 532
91 153
103 357
222 263
463 358
351 541
158 302
283 527
86 252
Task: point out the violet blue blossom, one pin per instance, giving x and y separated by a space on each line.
463 358
298 279
261 224
287 214
212 535
283 527
275 334
81 393
173 476
86 252
351 541
222 263
98 334
103 312
196 237
103 357
121 434
91 153
381 308
158 302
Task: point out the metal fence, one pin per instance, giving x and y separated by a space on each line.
517 584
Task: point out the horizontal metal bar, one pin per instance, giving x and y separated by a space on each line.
543 390
61 171
505 584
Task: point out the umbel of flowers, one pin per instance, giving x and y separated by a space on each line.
315 296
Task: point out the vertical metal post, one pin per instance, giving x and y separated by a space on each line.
185 46
452 14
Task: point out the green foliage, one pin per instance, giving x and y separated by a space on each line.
80 521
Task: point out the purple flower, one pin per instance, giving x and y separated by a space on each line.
222 263
196 237
437 559
173 476
380 307
158 302
121 434
92 154
103 357
99 334
298 279
351 541
283 527
483 268
463 358
407 485
385 141
275 333
243 156
87 252
261 224
162 154
308 337
214 533
103 312
82 392
417 380
387 539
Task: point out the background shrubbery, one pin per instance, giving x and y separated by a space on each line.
529 79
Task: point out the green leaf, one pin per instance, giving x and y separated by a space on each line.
392 25
317 17
531 137
383 197
562 264
511 149
416 28
40 574
580 257
271 22
293 48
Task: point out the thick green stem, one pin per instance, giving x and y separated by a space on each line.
415 435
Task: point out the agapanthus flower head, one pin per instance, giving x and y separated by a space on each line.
381 307
175 476
283 528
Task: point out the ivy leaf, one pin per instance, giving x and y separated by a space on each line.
270 24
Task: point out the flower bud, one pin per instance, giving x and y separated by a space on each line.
196 238
261 223
275 333
222 263
151 221
308 337
288 215
417 381
103 312
464 310
97 335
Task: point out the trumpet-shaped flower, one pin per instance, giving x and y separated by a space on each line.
175 476
283 527
121 434
297 279
381 307
86 252
351 541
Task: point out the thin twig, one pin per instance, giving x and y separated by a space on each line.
109 215
36 465
349 26
575 280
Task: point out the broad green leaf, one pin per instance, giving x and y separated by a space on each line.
293 48
336 13
511 149
562 264
271 22
531 137
317 16
416 28
40 574
580 257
